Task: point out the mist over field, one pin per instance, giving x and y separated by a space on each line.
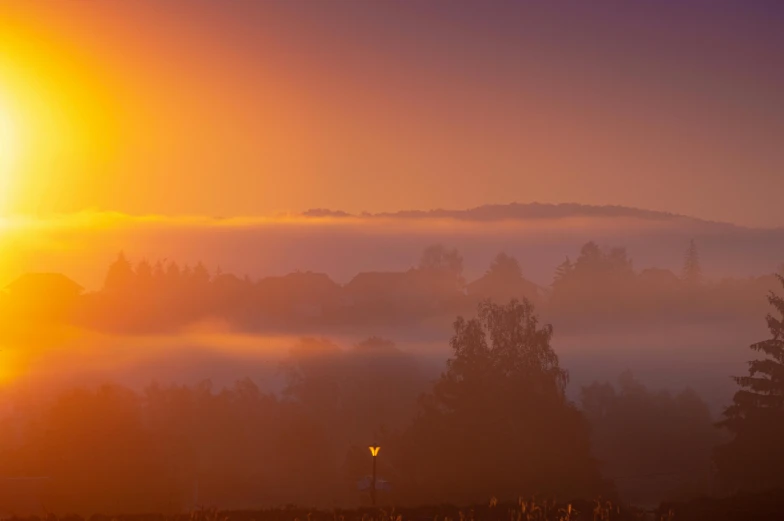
701 357
670 357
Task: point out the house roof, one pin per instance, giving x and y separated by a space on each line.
489 283
44 283
306 279
376 279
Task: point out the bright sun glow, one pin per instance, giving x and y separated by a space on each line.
57 125
8 153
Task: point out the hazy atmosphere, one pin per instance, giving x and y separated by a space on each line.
391 261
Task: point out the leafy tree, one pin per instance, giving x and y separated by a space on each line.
503 281
201 276
658 445
590 258
438 279
438 258
597 267
357 392
497 421
94 446
753 459
505 267
620 262
692 270
313 374
603 278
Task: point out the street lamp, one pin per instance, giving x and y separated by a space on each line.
374 453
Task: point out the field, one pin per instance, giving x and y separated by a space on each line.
767 506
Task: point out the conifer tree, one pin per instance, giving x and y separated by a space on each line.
692 270
753 459
563 270
120 276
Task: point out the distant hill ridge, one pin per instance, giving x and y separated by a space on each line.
519 211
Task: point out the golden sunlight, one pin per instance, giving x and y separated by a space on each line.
9 150
57 126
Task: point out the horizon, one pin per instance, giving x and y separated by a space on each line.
314 214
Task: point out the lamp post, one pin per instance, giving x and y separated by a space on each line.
374 453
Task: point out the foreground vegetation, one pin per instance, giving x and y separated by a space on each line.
746 507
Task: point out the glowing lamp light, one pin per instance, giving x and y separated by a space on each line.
374 453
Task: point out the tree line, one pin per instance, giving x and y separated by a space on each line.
599 288
496 423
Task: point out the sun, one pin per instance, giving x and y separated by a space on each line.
9 152
6 134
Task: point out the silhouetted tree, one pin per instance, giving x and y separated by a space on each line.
562 271
692 270
754 458
354 393
158 272
201 276
503 281
599 282
498 421
506 267
144 274
173 273
120 276
590 257
656 444
313 373
94 446
438 257
603 268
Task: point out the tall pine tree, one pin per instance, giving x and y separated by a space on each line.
692 270
562 271
753 459
120 276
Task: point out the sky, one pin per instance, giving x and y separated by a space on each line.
249 108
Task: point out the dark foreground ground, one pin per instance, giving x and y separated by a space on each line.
767 506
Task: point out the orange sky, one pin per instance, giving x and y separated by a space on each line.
250 108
